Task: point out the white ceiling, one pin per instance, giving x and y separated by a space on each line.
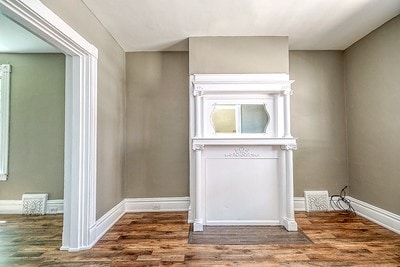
151 25
16 39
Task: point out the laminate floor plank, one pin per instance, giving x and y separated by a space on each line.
161 239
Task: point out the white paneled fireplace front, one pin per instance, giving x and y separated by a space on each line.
241 155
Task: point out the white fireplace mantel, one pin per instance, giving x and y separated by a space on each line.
239 177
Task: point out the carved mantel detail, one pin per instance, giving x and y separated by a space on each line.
287 90
197 147
5 68
289 147
242 152
197 90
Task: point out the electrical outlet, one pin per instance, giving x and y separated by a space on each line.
156 207
53 210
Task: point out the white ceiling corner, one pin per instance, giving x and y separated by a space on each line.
156 25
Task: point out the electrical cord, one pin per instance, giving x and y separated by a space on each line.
342 203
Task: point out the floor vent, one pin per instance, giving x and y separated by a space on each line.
34 204
317 200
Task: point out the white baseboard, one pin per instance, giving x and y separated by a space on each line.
157 204
15 206
379 216
10 206
299 204
55 206
106 221
103 224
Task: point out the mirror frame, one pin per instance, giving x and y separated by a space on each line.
5 70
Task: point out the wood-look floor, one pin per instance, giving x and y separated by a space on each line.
159 239
245 235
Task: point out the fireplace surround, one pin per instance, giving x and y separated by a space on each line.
241 158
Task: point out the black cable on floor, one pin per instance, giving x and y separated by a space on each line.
342 203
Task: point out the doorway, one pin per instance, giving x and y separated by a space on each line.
79 230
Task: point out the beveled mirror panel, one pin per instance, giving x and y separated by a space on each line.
254 119
240 118
224 119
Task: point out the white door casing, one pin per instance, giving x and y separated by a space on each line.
80 117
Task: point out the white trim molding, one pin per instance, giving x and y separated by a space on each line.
299 204
128 205
108 220
80 117
157 204
10 206
379 216
55 206
102 225
5 70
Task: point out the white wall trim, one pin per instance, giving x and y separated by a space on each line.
377 215
102 225
10 206
80 116
108 220
5 70
380 216
157 204
55 206
164 204
299 204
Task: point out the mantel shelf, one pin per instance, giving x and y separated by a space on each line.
244 141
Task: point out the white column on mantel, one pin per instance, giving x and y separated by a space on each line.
198 218
286 102
197 95
289 222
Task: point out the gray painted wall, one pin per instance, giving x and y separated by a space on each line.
373 108
318 113
111 100
36 155
157 163
238 55
318 120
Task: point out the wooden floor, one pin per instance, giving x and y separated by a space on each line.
245 235
154 239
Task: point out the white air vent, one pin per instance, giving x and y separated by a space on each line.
34 204
317 200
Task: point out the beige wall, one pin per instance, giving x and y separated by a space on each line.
318 120
373 108
157 162
238 55
111 100
36 155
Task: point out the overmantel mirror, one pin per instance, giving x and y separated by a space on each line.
5 70
240 118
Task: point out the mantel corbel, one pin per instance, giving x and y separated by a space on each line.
198 147
289 147
197 90
287 90
6 68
